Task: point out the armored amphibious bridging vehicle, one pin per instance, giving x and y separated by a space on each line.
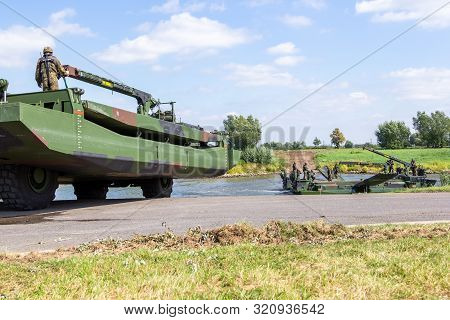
56 137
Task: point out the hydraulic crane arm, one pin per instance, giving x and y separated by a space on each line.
407 164
145 100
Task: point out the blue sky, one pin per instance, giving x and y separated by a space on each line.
247 57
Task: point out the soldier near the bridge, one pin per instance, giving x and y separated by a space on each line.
49 70
329 173
390 166
305 171
3 89
413 167
335 171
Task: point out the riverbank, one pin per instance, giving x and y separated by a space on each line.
433 160
254 169
277 261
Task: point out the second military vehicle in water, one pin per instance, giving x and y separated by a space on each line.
56 137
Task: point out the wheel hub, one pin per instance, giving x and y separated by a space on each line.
38 179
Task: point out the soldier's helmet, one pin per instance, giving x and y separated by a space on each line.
47 50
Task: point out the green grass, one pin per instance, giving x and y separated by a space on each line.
424 190
435 160
389 262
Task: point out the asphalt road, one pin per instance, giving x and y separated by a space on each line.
69 223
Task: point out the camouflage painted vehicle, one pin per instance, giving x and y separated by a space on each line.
56 137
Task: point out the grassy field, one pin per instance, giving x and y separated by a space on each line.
277 261
436 160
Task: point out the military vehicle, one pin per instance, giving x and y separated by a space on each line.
335 184
56 137
411 177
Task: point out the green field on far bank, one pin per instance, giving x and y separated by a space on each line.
435 160
277 261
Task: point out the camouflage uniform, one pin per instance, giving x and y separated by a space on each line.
3 85
3 88
48 78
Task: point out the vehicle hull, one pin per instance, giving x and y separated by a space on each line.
83 150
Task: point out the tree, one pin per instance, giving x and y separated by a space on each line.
348 144
434 130
316 142
337 138
393 135
243 132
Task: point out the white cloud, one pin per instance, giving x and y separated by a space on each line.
260 75
174 6
289 61
360 97
283 48
296 21
181 34
19 43
59 26
422 83
406 10
315 4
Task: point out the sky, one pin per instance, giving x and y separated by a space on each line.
254 57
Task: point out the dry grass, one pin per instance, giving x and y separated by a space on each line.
278 261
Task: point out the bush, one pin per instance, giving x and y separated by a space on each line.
348 144
260 155
445 179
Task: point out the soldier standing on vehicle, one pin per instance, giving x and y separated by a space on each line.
305 170
336 171
413 167
49 70
390 164
3 89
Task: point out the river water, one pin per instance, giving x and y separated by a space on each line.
240 186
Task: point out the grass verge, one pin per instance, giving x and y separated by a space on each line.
277 261
424 190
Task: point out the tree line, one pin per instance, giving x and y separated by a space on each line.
431 131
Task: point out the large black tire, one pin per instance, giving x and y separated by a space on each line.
90 190
27 188
157 188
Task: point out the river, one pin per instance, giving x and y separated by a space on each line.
243 186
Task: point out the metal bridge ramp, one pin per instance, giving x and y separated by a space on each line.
375 180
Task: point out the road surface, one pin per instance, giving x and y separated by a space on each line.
69 223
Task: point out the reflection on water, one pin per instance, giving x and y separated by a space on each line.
242 186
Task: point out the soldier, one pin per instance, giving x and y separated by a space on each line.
3 89
49 70
336 171
421 172
329 174
284 177
413 167
305 170
390 164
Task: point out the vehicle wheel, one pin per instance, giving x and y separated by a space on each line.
27 188
90 190
157 188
